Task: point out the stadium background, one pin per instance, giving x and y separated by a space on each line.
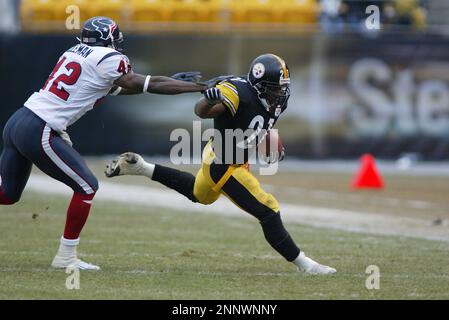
354 90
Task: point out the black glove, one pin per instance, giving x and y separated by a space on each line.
213 96
190 76
214 81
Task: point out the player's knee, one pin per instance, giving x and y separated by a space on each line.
272 203
90 188
203 200
200 195
207 201
94 184
269 210
268 216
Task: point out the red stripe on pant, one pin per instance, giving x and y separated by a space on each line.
77 214
4 198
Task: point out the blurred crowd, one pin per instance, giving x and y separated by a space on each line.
350 15
335 16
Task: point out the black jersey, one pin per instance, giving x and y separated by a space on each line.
244 125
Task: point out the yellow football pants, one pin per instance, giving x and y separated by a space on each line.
234 181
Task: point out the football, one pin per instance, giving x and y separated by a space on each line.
272 146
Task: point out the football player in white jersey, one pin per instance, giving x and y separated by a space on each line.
36 133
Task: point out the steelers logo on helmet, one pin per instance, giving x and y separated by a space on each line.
258 70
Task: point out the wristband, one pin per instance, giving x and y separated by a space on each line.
147 83
116 91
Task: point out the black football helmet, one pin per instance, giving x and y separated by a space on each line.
270 77
102 32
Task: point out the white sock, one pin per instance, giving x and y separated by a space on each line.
67 247
148 169
303 262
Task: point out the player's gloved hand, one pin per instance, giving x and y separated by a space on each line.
190 76
213 96
65 136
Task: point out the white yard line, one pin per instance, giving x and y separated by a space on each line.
314 216
333 195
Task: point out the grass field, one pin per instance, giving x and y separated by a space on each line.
155 253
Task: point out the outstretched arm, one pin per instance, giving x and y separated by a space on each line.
133 83
119 91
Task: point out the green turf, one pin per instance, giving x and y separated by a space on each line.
423 197
161 254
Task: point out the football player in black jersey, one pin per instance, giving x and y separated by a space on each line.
236 103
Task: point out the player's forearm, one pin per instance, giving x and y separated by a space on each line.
129 91
167 85
135 83
119 91
205 111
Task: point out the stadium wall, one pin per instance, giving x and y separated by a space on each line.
387 95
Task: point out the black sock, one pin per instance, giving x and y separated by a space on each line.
278 237
178 180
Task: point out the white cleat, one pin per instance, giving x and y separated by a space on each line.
319 269
128 163
60 262
310 266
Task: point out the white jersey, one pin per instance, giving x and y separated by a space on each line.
82 76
